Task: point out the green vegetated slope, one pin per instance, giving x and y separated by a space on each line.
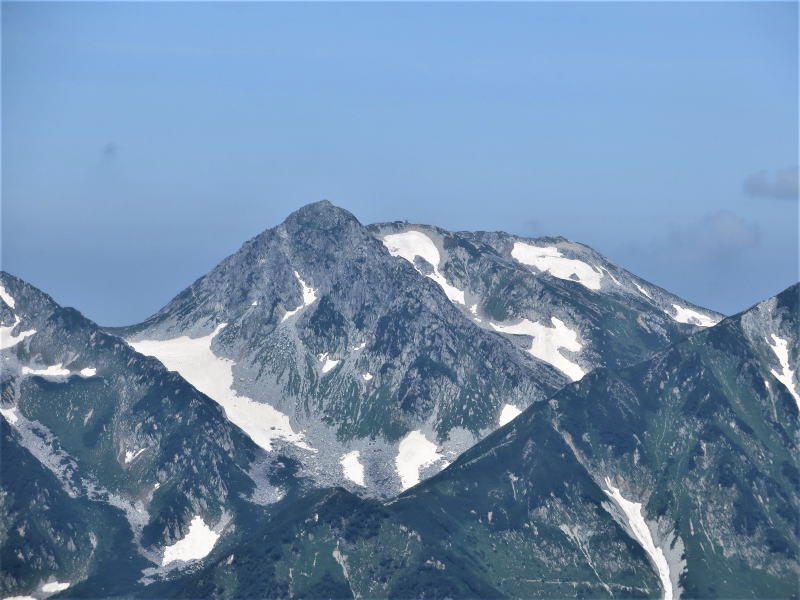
107 456
703 436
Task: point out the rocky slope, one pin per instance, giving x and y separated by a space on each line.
705 436
581 310
347 346
108 458
676 477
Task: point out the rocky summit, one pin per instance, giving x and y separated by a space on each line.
376 355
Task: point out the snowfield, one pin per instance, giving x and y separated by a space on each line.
58 372
10 414
414 453
352 467
639 530
327 363
508 414
131 456
309 295
786 375
53 371
642 290
692 317
54 586
409 245
547 341
194 360
6 339
550 259
196 544
7 298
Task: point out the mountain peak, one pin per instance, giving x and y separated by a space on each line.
323 214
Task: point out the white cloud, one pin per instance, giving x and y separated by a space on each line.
781 184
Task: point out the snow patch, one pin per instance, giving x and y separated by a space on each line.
547 342
610 274
327 363
7 340
309 295
692 317
54 586
508 414
642 290
786 376
194 360
366 376
550 259
10 415
7 298
196 544
352 467
414 453
56 371
637 527
409 245
341 559
131 456
474 310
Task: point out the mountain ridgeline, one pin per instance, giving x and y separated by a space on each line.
108 458
396 410
674 478
383 352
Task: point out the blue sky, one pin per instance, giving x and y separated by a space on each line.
142 143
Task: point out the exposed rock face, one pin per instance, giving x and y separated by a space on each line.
676 477
333 339
107 456
327 353
705 436
577 303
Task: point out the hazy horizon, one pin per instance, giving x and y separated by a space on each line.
143 143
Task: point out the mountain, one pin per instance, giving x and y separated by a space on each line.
375 355
581 310
113 468
705 437
676 477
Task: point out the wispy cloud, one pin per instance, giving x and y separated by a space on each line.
717 237
705 260
781 184
109 151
